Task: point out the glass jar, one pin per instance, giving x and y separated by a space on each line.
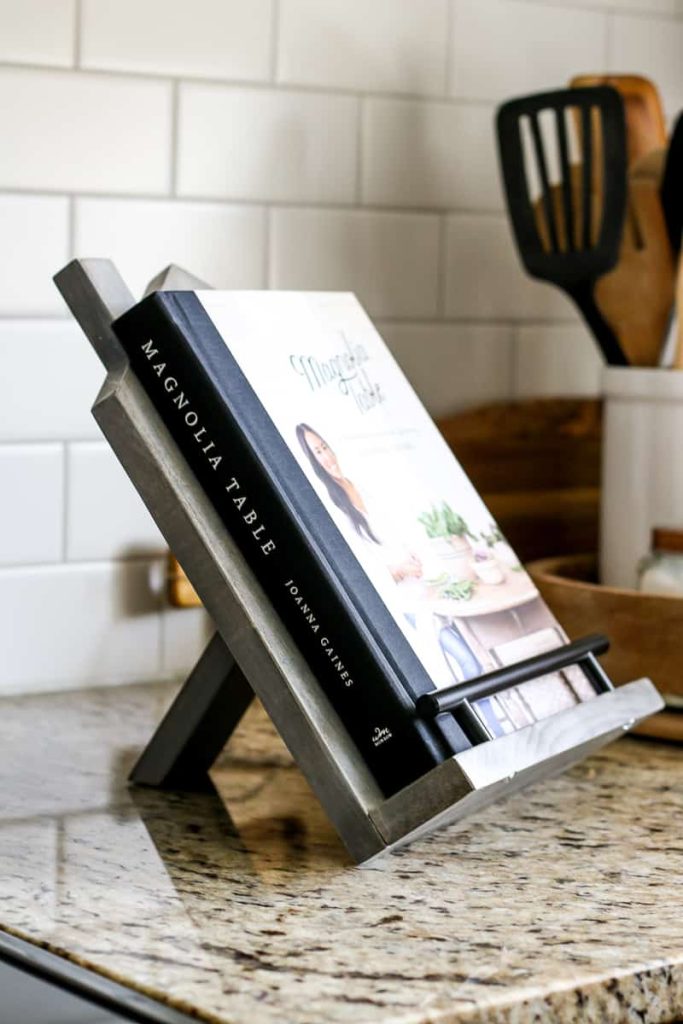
661 572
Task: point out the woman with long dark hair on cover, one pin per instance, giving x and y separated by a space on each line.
346 497
342 492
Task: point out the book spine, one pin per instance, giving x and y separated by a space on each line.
352 671
334 555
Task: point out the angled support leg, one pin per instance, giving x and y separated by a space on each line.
198 724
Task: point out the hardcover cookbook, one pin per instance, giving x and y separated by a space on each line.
362 528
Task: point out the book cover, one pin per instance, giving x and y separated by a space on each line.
382 518
397 494
236 454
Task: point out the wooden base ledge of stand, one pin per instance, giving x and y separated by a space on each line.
488 771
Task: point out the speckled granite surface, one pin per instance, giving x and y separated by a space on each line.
564 903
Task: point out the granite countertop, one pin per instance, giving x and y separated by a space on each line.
562 903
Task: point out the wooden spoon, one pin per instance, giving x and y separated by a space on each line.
637 296
645 121
650 167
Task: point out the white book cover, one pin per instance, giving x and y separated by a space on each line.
397 494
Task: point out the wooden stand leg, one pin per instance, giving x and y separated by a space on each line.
197 725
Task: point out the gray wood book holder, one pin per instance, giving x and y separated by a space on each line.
251 652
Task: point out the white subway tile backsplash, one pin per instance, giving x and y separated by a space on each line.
430 155
485 280
57 376
218 39
556 360
34 243
32 506
66 626
106 518
453 366
390 260
505 48
385 45
37 31
223 245
185 632
83 132
369 127
264 144
651 47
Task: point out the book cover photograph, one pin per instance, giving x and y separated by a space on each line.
397 495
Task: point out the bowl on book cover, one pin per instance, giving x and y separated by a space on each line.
645 630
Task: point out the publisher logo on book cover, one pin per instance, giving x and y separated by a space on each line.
380 735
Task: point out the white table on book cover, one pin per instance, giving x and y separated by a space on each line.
489 598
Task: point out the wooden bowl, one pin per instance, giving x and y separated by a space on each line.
645 630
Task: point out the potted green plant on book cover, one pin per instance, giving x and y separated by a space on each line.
449 536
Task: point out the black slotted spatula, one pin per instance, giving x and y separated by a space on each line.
570 234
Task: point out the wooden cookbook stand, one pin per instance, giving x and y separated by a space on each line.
251 652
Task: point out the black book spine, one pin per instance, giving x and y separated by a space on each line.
230 384
352 670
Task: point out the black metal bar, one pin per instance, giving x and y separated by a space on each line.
197 725
596 673
451 697
471 723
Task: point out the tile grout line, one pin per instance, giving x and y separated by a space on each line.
175 138
76 564
609 40
242 84
71 228
267 233
361 113
274 54
161 607
28 441
491 321
441 269
60 314
473 321
450 47
66 502
237 202
641 13
513 360
78 34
